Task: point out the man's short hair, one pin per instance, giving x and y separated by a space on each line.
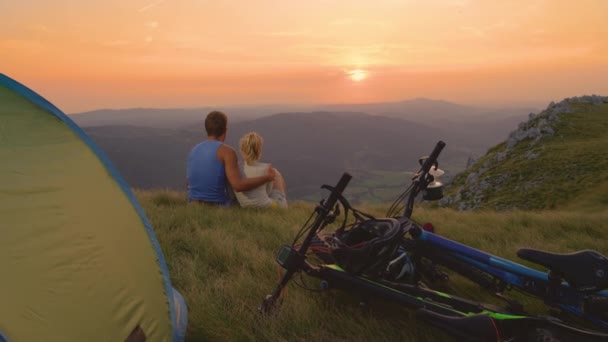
215 123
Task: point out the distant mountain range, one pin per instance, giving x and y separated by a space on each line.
420 110
150 146
166 117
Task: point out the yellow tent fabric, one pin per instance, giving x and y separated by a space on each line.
78 259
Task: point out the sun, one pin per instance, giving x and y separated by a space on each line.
357 75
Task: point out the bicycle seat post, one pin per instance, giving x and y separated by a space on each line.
554 285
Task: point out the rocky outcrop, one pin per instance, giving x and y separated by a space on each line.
473 190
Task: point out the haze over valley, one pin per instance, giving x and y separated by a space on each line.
379 142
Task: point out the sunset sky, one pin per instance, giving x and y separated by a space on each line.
84 55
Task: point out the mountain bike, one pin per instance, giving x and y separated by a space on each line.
367 261
575 283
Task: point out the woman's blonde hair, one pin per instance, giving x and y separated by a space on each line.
251 147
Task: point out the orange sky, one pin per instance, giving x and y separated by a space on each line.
84 55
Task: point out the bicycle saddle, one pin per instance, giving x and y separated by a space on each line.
584 270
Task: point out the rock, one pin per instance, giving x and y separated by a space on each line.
533 133
553 117
458 197
548 130
562 107
471 178
597 100
501 156
447 200
470 162
521 135
531 155
484 185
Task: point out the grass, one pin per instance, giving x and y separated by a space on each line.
222 261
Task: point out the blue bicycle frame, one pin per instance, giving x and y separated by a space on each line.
442 250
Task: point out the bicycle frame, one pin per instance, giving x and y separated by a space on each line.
557 294
463 259
462 318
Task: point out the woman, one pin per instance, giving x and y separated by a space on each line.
271 194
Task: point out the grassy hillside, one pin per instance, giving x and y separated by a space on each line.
222 261
558 158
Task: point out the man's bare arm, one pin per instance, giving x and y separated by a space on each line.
228 155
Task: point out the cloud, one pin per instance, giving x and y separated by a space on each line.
151 5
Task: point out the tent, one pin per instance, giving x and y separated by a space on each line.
79 260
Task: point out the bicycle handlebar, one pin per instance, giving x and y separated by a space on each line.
426 167
323 211
335 194
338 190
433 157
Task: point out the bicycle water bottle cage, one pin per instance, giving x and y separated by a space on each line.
585 270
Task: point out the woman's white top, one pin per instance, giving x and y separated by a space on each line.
257 197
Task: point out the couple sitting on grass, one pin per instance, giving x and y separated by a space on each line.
214 175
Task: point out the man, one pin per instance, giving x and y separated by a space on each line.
213 167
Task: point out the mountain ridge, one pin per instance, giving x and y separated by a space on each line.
551 160
416 109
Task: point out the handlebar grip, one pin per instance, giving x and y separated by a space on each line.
340 187
433 157
343 182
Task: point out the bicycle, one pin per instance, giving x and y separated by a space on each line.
382 239
575 283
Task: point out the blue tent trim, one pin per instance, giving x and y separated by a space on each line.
41 102
2 337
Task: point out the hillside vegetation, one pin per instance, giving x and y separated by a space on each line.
222 261
557 158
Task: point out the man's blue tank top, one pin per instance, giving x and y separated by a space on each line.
206 176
